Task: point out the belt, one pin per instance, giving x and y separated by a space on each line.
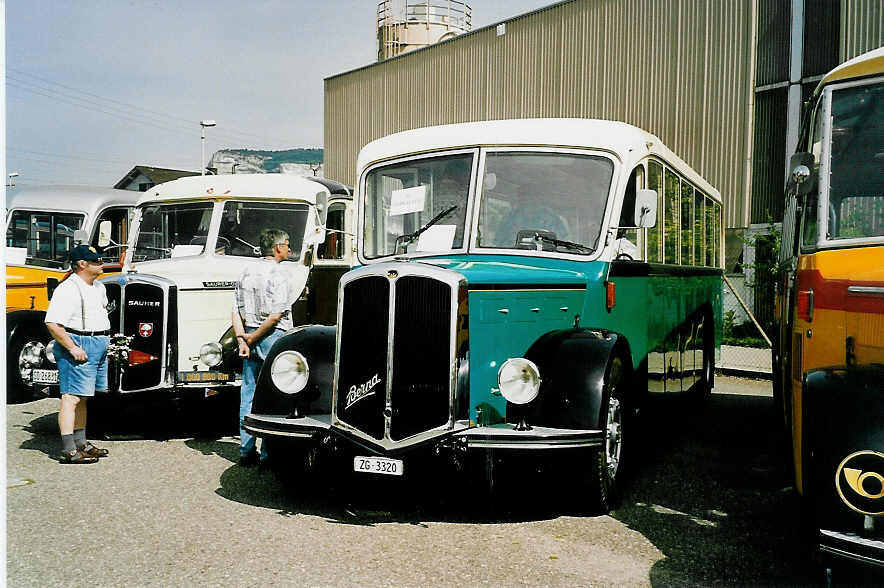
87 333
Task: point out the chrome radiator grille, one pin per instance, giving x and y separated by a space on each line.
395 375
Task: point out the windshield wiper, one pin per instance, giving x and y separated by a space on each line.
255 250
560 243
410 237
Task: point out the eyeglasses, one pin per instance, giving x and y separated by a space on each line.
286 243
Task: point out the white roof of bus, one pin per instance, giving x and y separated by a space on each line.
869 63
88 199
236 186
630 143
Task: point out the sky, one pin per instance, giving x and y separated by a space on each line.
95 87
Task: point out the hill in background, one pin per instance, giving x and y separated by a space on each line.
302 162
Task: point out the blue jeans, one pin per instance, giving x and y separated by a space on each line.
83 378
250 368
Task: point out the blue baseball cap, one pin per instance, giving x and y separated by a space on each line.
84 252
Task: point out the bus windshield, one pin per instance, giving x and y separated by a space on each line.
856 191
402 199
165 228
543 201
47 236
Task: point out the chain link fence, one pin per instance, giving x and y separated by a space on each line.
745 347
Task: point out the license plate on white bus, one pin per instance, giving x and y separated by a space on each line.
378 465
45 376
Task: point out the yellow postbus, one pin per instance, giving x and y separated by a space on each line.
829 353
42 223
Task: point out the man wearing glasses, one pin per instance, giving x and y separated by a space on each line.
261 314
77 320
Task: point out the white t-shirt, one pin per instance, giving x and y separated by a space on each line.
72 299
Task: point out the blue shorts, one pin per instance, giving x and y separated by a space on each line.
83 378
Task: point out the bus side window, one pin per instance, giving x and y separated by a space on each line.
333 246
699 229
687 224
809 224
670 223
654 238
713 226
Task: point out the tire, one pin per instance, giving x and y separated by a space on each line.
16 388
606 464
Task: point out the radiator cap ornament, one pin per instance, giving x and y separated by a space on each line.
392 274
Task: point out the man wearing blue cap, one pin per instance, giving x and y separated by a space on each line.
77 319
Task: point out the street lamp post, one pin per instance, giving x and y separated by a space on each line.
203 125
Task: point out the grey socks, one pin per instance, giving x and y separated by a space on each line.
67 443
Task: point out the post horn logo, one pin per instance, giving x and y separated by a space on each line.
859 480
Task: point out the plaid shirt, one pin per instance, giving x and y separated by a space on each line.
264 288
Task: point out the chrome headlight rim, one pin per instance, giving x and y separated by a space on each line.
31 355
290 372
211 354
49 352
518 380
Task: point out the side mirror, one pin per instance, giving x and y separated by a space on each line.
81 236
645 209
801 179
104 233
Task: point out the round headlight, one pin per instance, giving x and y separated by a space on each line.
210 354
290 372
49 352
519 380
31 354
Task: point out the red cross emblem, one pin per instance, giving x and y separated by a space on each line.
145 329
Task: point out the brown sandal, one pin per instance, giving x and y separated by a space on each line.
93 451
76 456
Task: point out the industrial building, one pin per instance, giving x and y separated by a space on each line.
719 81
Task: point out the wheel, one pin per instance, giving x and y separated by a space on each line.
25 350
606 464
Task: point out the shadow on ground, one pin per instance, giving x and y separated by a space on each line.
709 487
356 500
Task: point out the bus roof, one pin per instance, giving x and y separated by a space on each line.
867 64
241 186
630 143
85 199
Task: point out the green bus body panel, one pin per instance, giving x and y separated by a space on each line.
515 300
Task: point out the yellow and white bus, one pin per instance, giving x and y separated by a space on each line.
42 223
829 353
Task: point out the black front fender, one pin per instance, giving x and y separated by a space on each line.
317 344
572 366
20 321
843 429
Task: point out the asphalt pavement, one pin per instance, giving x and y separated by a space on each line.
707 502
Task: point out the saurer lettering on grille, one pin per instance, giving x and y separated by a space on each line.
357 393
143 302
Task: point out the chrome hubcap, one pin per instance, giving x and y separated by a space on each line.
28 358
613 440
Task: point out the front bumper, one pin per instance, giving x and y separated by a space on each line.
502 436
867 551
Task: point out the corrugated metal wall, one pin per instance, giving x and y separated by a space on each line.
862 27
680 69
774 36
821 26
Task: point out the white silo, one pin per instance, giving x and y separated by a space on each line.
406 25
